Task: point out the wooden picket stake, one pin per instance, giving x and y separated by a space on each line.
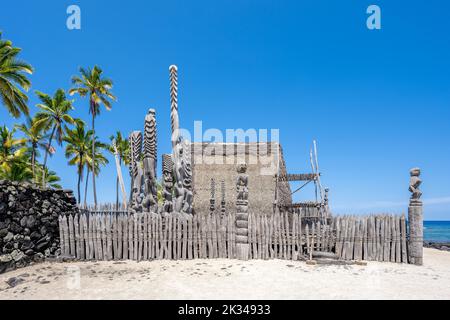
403 240
126 242
70 237
130 237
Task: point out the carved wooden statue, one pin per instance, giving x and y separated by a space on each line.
415 218
136 169
326 197
187 177
242 184
181 150
150 155
177 169
183 178
212 201
242 244
168 183
414 185
223 203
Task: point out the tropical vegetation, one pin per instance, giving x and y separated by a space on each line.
25 147
122 147
13 79
35 140
53 115
77 150
93 85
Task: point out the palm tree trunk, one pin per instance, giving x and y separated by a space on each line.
46 155
93 153
80 173
117 187
117 194
79 191
33 162
86 187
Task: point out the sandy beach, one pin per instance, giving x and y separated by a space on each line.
229 279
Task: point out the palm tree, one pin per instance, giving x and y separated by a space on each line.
11 148
54 115
123 151
13 78
34 138
96 160
77 150
98 88
18 170
51 178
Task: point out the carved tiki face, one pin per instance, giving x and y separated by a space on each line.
180 150
415 172
242 168
168 179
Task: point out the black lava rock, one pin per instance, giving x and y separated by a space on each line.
29 222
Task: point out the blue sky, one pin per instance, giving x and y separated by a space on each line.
376 101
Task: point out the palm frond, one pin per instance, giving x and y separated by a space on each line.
13 79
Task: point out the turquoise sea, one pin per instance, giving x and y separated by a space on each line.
437 231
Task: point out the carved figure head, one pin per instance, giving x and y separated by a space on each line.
242 168
415 172
179 147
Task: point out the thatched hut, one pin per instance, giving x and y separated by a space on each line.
219 161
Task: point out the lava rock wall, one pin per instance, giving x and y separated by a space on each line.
29 222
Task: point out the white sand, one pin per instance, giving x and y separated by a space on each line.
233 280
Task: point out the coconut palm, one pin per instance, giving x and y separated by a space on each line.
96 162
11 148
123 151
54 115
13 79
92 84
77 150
34 138
51 178
18 170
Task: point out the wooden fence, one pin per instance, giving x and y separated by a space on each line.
371 238
149 236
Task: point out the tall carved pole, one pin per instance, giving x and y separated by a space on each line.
242 244
150 154
175 122
181 153
415 213
137 175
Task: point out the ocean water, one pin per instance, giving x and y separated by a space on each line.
437 231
